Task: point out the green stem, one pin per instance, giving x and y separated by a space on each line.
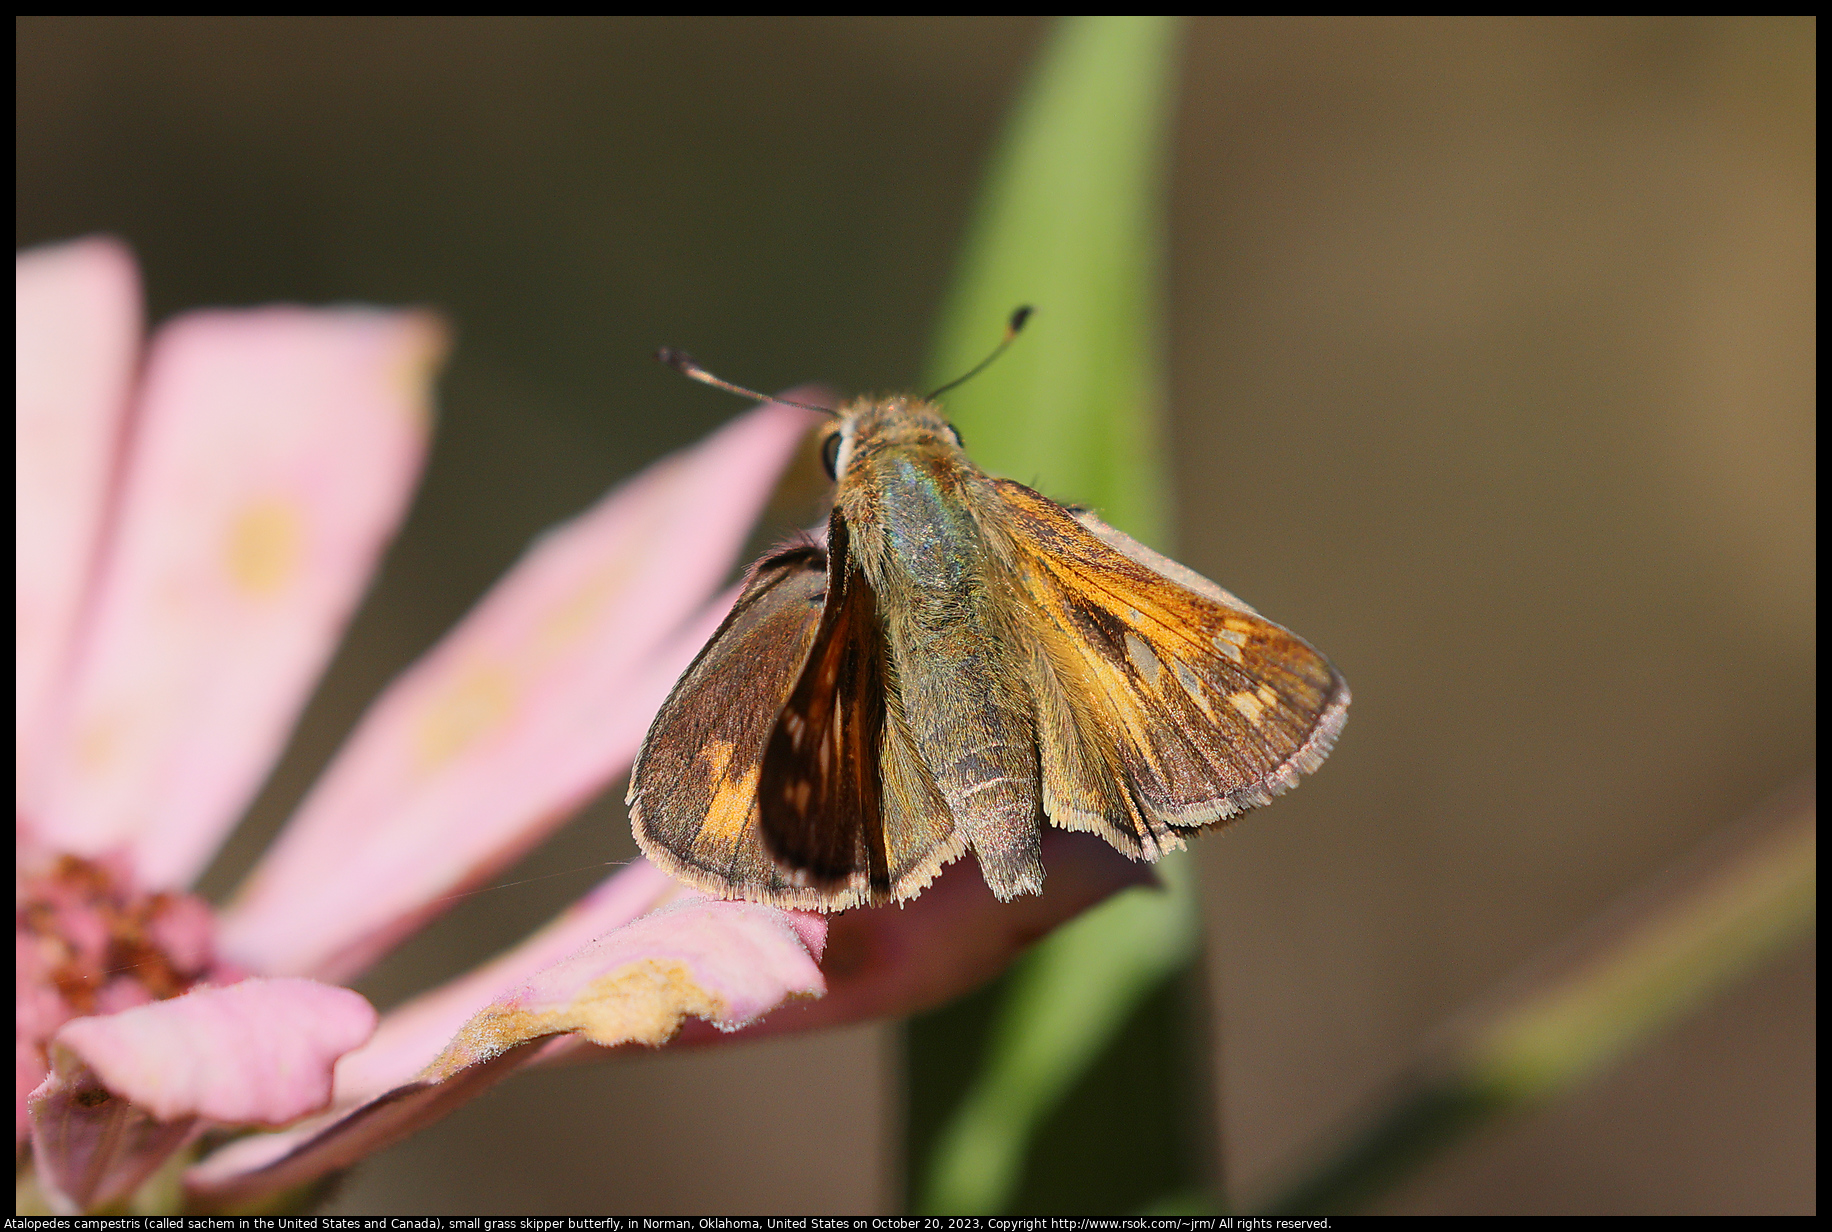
1664 951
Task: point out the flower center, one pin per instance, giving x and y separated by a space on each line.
91 942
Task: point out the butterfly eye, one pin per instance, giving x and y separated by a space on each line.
830 455
958 442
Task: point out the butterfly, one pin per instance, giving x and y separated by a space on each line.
962 661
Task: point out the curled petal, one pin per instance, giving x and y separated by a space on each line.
255 1053
90 1150
524 711
76 328
273 454
411 1035
127 1089
727 962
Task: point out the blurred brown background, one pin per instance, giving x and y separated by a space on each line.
1492 372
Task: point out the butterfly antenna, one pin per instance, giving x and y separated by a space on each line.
688 366
1018 318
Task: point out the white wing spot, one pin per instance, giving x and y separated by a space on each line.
1193 687
1143 661
1248 704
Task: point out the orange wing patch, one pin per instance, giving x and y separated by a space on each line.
1198 707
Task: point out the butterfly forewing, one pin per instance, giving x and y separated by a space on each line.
1198 706
693 792
778 770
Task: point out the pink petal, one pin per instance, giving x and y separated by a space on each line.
125 1089
727 962
528 708
891 962
410 1036
257 1052
76 329
273 456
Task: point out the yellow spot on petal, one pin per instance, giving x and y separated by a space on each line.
96 745
580 612
474 703
642 1002
264 547
1248 704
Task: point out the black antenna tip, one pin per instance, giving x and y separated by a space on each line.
679 360
1018 317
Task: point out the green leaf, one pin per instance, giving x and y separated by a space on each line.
1062 1004
1071 222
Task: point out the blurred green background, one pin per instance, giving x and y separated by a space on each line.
1491 372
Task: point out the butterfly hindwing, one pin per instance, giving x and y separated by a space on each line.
1164 703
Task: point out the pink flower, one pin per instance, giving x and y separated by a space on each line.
195 525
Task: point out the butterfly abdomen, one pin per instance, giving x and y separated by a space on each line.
979 743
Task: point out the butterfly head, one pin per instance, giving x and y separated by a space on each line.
866 425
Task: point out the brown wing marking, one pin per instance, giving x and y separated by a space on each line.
1197 705
820 789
